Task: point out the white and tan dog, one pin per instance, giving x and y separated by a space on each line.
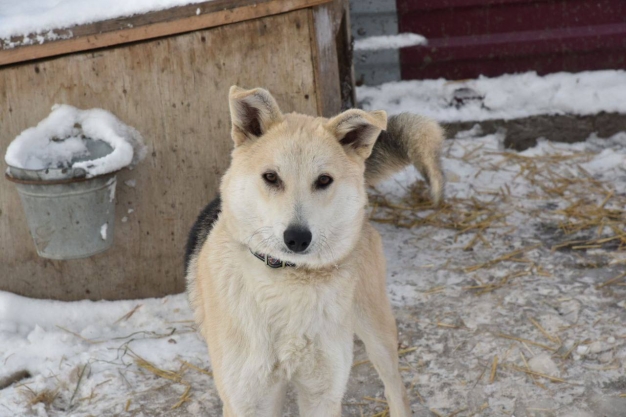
285 268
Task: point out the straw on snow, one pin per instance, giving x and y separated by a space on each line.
588 208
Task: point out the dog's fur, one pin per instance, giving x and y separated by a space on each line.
268 327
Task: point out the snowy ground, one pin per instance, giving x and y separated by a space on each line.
506 97
510 301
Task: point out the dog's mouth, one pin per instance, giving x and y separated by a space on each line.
292 253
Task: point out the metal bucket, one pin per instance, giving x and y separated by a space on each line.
69 216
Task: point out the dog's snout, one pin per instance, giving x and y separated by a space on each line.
297 238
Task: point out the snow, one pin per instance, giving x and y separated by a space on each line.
450 329
111 184
60 137
505 97
48 338
103 231
401 40
544 364
38 16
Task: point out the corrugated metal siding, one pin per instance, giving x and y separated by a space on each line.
468 38
374 18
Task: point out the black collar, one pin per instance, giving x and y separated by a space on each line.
272 262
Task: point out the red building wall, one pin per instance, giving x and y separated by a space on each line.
467 38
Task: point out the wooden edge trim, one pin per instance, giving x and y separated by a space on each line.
323 26
315 59
345 58
155 30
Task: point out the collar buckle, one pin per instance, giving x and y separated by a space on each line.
272 262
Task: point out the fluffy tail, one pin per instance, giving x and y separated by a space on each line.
409 138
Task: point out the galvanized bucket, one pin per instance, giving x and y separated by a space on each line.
69 216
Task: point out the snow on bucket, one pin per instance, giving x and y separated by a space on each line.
65 173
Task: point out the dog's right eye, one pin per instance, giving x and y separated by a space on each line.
271 178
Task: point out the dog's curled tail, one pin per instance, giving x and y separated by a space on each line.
409 138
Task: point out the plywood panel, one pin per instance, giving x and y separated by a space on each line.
174 90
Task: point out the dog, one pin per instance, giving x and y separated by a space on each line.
284 267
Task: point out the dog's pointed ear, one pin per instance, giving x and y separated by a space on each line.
357 130
252 113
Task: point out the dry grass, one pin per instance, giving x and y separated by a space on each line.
539 374
185 397
129 314
457 412
494 370
591 205
196 368
45 396
489 287
553 339
522 340
81 375
612 281
534 378
511 256
461 215
175 377
587 200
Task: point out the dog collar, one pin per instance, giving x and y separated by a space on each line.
272 262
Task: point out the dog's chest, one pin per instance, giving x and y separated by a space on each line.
293 319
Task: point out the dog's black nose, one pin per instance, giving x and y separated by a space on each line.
297 238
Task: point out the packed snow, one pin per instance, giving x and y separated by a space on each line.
39 16
505 97
103 231
61 138
401 40
92 348
510 300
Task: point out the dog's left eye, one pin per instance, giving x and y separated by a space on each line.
323 181
271 177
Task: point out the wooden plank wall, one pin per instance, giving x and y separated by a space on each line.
174 91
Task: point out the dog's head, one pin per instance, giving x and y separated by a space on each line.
295 189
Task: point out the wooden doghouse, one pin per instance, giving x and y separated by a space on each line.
166 73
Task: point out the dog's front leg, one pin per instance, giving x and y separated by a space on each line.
254 402
322 383
376 327
247 386
378 335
